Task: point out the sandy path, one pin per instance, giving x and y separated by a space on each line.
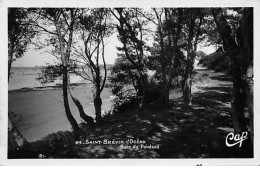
43 112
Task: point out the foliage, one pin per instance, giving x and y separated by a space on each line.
178 67
123 73
126 99
201 54
153 90
218 61
20 32
55 142
56 145
125 85
132 30
50 73
181 30
94 27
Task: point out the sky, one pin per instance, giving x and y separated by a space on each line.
34 57
39 58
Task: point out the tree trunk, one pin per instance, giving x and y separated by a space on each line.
144 90
144 95
246 53
187 98
97 104
10 54
83 115
10 60
64 58
187 95
191 49
164 96
238 98
249 91
238 105
15 138
70 117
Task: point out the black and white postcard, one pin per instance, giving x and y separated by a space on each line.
163 81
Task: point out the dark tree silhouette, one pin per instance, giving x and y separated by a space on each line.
241 56
94 28
131 34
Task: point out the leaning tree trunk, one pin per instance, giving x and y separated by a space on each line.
15 138
69 115
64 58
82 113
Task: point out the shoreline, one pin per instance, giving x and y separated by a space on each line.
42 109
49 87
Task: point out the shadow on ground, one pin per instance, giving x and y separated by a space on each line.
198 131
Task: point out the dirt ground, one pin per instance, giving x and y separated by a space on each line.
198 131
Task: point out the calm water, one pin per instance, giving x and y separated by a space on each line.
26 77
42 111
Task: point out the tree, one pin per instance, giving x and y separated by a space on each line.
194 22
245 32
69 18
60 24
52 72
132 35
241 56
124 74
20 33
169 32
200 54
94 28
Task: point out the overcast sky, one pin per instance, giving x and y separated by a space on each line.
39 58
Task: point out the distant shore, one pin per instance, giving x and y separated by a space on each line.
24 78
49 87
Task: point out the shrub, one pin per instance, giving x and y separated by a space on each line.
153 91
54 143
59 144
124 100
218 61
